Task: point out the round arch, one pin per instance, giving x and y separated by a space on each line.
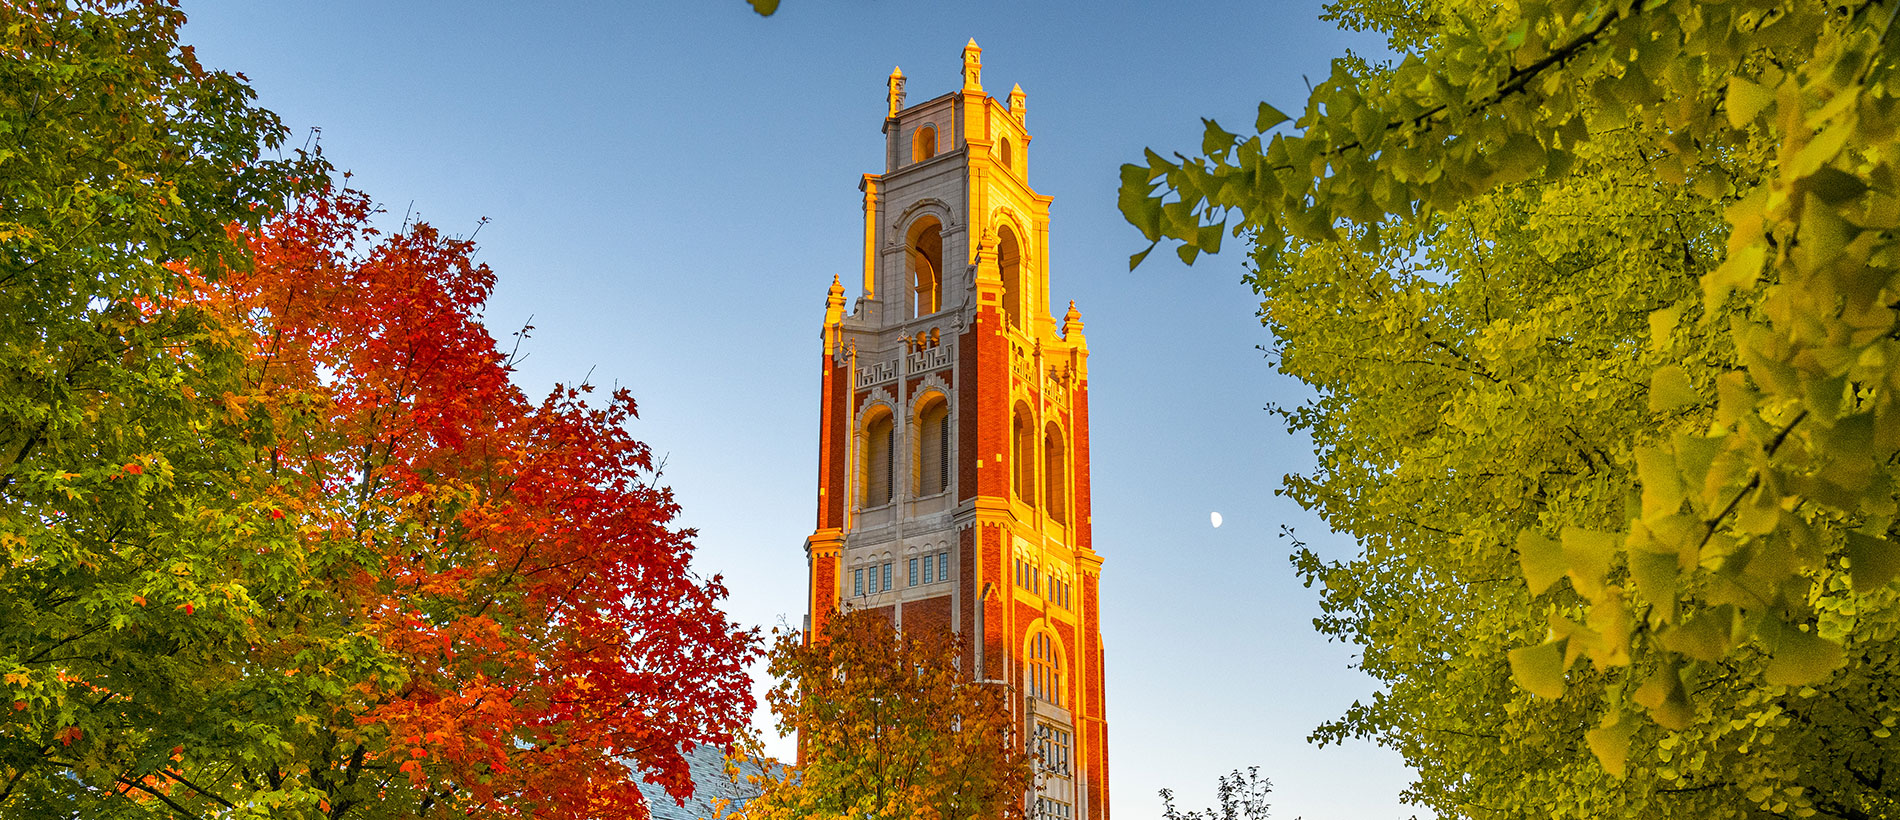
923 265
877 445
1045 664
931 457
1055 472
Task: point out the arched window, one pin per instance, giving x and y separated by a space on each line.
1009 258
933 446
1023 451
1055 474
1045 668
1005 153
923 144
879 438
925 243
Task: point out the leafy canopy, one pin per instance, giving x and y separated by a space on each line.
1598 301
889 726
281 539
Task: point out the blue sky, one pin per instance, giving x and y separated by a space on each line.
671 187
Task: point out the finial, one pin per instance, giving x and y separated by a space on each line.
1018 103
973 66
834 302
896 98
1071 321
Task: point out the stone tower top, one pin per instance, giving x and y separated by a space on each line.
895 100
973 66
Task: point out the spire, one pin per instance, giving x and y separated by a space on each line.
1071 322
895 100
1019 103
834 302
973 66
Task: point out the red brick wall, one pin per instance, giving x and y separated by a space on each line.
995 639
824 591
928 615
967 589
833 437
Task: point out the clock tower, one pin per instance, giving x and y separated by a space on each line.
954 449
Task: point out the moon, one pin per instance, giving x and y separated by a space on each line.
1214 517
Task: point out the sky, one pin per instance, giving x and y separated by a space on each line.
670 186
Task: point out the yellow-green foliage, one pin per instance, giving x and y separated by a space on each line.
1598 300
888 726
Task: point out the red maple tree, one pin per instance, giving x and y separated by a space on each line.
523 629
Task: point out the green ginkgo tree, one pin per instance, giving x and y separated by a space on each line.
1597 300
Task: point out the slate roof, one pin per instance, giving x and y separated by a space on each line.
707 765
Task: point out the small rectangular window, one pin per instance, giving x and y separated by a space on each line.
929 562
857 582
887 576
943 566
943 452
913 572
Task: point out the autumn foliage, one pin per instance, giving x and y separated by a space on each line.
889 726
535 615
279 537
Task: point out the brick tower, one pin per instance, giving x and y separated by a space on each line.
954 452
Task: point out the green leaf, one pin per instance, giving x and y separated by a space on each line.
1797 657
1610 743
1745 101
1662 486
1135 260
1587 554
765 8
1215 139
1268 118
1706 637
1541 560
1662 323
1665 698
1138 205
1655 576
1539 669
1669 389
1872 561
1834 186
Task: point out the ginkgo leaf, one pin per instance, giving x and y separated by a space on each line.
1745 101
1655 577
1798 657
1587 555
1268 118
1539 669
1610 743
1665 698
1669 389
1872 561
1540 559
